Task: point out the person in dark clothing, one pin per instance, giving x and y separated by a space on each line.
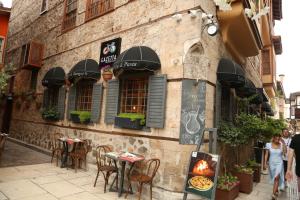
294 151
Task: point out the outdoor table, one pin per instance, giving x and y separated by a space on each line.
124 157
66 142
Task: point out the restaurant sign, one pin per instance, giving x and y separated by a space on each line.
202 174
109 52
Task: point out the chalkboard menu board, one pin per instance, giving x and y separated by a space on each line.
202 174
192 120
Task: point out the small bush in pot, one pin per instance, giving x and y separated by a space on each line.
50 114
227 187
81 116
256 170
130 120
245 176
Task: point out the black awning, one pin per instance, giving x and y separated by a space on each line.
263 94
88 69
137 58
247 90
54 77
266 107
230 73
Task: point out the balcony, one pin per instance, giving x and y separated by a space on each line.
277 44
239 33
31 55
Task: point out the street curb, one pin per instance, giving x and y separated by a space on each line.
30 146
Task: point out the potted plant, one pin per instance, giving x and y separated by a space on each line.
256 170
83 117
50 114
130 120
107 74
227 187
245 176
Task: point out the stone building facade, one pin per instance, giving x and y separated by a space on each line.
180 40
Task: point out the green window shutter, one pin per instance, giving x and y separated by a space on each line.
96 102
71 100
156 101
46 99
112 101
61 102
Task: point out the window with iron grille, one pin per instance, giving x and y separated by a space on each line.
53 97
96 8
84 94
134 93
266 62
70 14
44 6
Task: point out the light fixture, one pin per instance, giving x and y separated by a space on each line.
177 17
210 23
193 13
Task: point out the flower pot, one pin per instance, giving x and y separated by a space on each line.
127 123
246 182
75 118
227 194
107 75
256 174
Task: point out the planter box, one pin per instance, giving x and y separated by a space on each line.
257 174
227 195
246 182
75 119
52 119
127 123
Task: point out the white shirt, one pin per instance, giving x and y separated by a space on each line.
287 142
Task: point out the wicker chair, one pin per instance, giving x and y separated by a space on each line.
80 153
151 167
56 147
106 165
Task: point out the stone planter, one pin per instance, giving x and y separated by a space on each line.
246 182
127 123
228 195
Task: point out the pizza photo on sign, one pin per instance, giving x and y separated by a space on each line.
201 174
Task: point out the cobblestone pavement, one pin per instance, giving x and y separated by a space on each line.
48 182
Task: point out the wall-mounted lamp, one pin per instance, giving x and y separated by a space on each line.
210 23
177 17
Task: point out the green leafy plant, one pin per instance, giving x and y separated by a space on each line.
252 164
243 169
4 76
231 135
227 182
133 117
84 116
50 114
271 127
250 125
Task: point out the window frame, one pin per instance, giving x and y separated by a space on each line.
79 96
89 16
46 6
53 95
63 28
33 80
2 50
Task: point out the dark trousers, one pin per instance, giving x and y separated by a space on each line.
285 163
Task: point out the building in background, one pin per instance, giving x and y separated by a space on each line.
4 19
294 102
173 69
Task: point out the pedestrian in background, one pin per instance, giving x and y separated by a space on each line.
287 141
275 150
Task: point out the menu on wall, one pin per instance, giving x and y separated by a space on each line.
109 52
202 174
192 120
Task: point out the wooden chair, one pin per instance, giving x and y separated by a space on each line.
56 146
80 153
150 169
106 165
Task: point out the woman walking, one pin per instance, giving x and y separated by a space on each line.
276 149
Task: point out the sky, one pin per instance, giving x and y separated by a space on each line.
290 32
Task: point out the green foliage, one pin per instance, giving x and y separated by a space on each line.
231 135
272 127
4 76
243 103
243 169
84 116
252 163
50 114
250 125
227 182
133 117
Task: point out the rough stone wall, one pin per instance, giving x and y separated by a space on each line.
184 51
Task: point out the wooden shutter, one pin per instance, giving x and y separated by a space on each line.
35 54
71 100
96 102
156 101
61 102
112 101
46 99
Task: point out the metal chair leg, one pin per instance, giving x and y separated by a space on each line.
96 178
